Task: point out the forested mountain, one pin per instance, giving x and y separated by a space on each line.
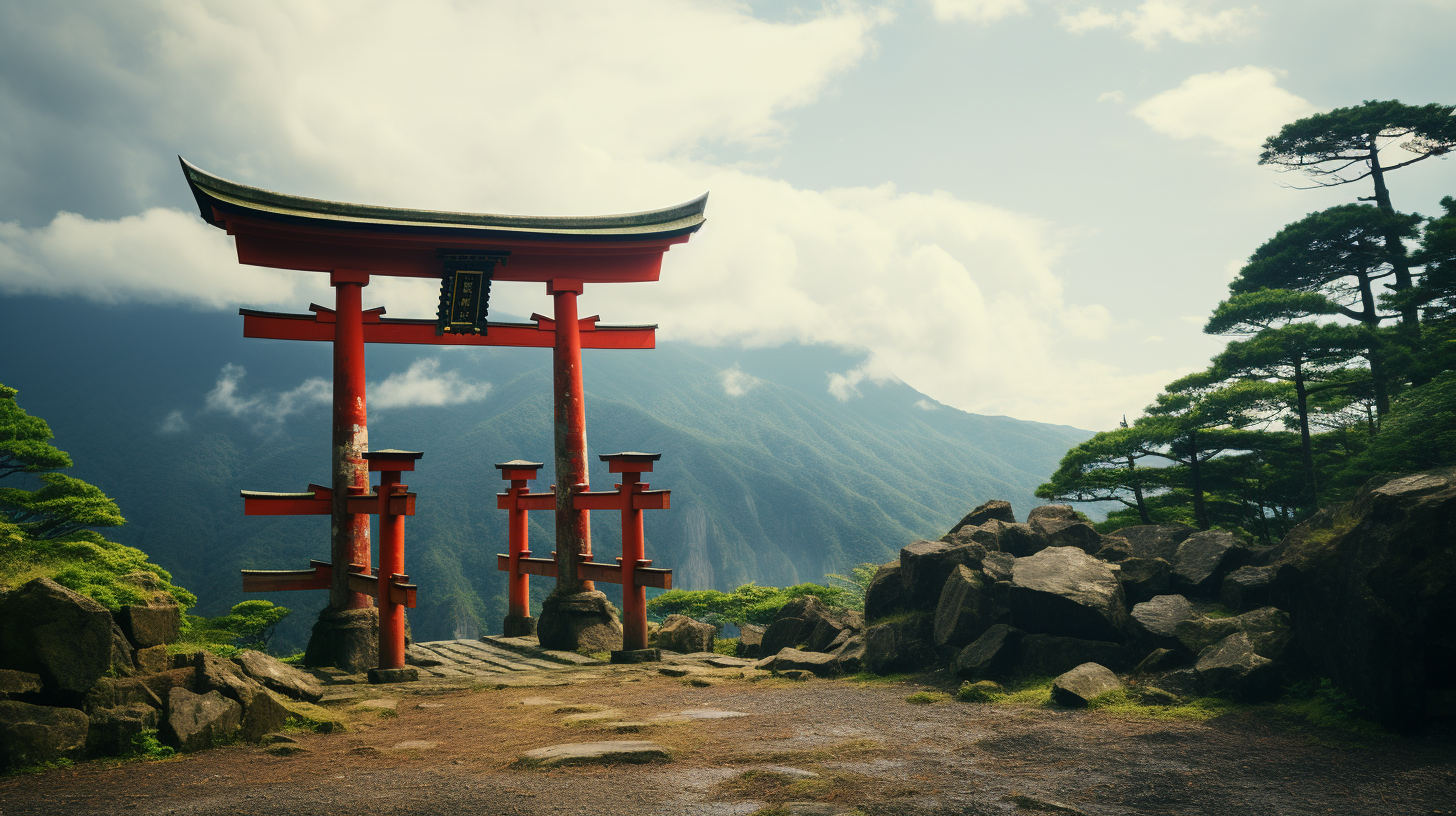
780 483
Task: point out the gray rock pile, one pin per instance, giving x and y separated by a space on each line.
76 681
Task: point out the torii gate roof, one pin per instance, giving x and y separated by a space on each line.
293 232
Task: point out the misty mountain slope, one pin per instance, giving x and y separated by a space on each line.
778 484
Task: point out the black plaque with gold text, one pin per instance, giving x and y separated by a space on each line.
465 291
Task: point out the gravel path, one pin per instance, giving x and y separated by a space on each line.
816 746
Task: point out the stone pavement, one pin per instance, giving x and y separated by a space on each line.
490 657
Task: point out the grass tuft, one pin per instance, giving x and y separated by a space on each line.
1127 704
928 698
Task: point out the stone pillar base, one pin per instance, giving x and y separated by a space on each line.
519 626
346 639
408 674
582 620
637 656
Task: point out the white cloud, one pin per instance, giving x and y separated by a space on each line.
263 407
976 11
175 423
160 256
1186 21
576 107
1237 109
737 382
424 384
926 405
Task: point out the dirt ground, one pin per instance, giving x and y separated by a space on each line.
817 746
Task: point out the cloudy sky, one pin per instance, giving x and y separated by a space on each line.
1019 207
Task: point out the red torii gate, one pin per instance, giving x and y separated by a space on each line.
466 251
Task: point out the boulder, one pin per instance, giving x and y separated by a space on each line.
1233 668
924 566
152 659
1058 532
62 636
1143 578
121 692
1204 558
1371 588
1155 540
997 566
1050 655
1155 622
1159 660
807 623
1080 685
898 645
960 615
582 620
1114 549
32 734
1267 629
198 721
995 654
993 509
261 714
1058 512
1248 587
681 633
885 594
281 677
347 639
154 623
16 684
850 656
1018 539
123 654
1065 591
820 663
112 730
750 637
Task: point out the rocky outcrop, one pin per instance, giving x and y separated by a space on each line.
994 655
994 509
819 663
807 623
1371 588
64 637
261 714
154 622
750 640
885 594
1052 512
1248 587
1082 684
1050 655
924 566
1233 668
279 676
1065 591
1267 628
1062 532
961 611
18 684
900 644
1144 578
198 721
32 734
1155 622
680 633
1204 558
113 730
1155 540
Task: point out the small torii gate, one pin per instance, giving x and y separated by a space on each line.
466 252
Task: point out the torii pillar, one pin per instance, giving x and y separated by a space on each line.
347 631
575 614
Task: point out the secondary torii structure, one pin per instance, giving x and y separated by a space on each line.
466 252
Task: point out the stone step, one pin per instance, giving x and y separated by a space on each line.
463 654
491 652
531 647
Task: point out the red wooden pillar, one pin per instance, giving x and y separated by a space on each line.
350 533
573 526
634 551
390 464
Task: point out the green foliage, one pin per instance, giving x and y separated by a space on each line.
927 698
85 562
145 745
60 508
1319 702
1337 147
726 646
854 585
1419 433
749 603
249 625
25 440
1128 704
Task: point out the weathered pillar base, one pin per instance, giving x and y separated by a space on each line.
637 656
408 674
584 620
519 626
346 639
